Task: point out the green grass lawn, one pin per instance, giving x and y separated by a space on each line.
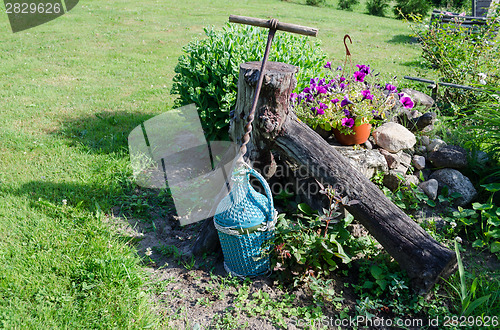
70 92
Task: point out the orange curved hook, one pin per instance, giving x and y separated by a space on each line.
347 52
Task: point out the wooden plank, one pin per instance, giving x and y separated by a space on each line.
304 30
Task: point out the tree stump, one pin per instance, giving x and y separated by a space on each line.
277 128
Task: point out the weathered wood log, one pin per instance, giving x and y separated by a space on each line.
277 128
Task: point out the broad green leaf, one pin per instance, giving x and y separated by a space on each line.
492 187
495 233
481 207
468 221
377 272
306 209
495 247
494 221
479 243
382 284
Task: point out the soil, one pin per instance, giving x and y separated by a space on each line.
188 293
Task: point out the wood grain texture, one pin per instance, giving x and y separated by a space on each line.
293 28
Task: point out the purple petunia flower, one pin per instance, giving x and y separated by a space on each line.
314 81
321 82
391 88
407 102
339 68
321 109
348 122
364 68
322 89
359 76
367 95
307 90
293 97
335 101
341 79
345 102
342 86
328 65
346 112
309 98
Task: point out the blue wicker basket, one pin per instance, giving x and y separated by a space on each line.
245 222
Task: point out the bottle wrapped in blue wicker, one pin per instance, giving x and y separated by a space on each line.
245 221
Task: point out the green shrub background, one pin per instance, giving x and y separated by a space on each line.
207 74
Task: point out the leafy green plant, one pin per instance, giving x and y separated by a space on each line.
483 122
407 8
314 244
482 223
463 56
207 73
469 300
347 4
377 7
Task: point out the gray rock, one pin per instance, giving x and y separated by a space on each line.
449 157
457 183
419 98
394 137
435 144
430 188
421 150
425 140
395 178
479 157
368 145
408 119
368 162
404 159
418 162
415 114
391 159
425 120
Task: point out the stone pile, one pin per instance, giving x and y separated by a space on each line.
430 164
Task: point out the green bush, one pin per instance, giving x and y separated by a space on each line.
314 2
405 8
207 74
347 4
461 56
377 7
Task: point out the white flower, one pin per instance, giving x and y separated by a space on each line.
148 252
482 78
64 202
458 239
453 224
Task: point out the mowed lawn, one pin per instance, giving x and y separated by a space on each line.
70 92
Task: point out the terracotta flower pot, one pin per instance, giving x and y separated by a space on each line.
361 134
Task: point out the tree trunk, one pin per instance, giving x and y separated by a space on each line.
277 128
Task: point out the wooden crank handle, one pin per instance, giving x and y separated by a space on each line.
304 30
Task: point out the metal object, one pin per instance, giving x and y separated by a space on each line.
273 26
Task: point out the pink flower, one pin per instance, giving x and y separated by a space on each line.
348 122
359 76
407 102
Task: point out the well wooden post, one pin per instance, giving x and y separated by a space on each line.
277 128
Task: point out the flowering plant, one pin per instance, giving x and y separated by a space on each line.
342 102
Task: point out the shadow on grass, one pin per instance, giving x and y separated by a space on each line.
103 132
122 200
402 39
